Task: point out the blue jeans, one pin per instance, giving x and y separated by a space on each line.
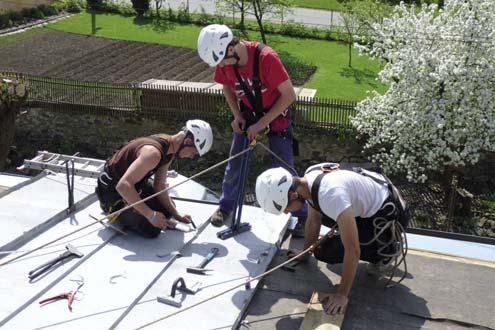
281 146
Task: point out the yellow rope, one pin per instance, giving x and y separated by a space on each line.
309 249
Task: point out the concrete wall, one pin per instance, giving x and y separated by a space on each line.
6 5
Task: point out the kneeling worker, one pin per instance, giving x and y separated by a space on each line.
125 179
360 205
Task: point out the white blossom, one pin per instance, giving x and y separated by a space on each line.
438 112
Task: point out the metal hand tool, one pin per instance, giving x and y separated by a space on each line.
66 295
200 268
72 251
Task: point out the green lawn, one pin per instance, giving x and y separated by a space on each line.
333 79
319 4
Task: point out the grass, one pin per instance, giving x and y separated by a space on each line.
319 4
333 78
13 38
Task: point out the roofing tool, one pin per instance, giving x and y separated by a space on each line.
66 295
177 225
291 266
237 227
200 268
72 251
178 285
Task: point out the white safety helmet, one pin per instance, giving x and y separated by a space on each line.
203 136
212 43
272 189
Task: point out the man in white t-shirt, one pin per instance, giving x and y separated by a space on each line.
348 199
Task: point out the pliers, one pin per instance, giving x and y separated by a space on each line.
66 295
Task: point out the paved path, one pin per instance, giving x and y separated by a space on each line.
311 17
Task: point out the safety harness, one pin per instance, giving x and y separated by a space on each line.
381 225
110 199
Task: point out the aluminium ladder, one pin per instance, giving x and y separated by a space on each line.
82 166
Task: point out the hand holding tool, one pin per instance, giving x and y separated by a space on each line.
200 268
71 251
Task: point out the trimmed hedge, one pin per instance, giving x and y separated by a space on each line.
25 15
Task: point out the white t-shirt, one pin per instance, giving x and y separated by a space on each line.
341 189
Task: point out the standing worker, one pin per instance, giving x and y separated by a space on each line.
258 91
125 179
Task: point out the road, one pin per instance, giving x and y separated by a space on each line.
310 17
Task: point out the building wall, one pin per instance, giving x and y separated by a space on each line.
7 5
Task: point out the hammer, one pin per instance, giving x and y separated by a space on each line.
71 251
200 268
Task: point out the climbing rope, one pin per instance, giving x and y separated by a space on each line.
109 216
308 250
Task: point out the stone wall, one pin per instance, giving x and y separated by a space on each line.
98 137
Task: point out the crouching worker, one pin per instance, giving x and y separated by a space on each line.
125 179
361 203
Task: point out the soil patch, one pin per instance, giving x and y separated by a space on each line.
71 56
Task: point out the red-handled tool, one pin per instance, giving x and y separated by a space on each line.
66 295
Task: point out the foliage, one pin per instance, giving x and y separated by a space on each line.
94 4
141 6
438 114
261 8
12 91
235 7
333 79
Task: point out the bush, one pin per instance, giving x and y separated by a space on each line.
94 4
183 15
47 10
4 21
141 6
75 6
16 17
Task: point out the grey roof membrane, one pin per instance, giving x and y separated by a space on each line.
124 275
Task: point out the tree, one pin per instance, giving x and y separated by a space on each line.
158 6
438 113
94 4
13 94
353 24
234 6
261 8
140 6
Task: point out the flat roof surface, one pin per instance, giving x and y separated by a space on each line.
124 275
449 283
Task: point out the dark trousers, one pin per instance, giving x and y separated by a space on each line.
111 201
332 250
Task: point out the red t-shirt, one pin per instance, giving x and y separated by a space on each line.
271 73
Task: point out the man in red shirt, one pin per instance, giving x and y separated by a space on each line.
255 106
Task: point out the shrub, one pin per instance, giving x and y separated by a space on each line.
183 15
141 6
47 10
4 20
15 17
74 6
94 4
